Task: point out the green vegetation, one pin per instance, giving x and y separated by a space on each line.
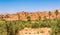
56 12
49 13
12 27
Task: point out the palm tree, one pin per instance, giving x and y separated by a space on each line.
49 14
9 28
28 17
39 17
56 12
2 17
45 18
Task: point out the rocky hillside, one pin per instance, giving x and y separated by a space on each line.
31 15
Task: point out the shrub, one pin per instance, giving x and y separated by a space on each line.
12 27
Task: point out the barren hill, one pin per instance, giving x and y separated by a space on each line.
31 15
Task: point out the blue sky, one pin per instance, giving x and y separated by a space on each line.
13 6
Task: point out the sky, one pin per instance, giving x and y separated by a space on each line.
13 6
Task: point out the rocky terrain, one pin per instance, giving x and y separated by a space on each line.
32 15
36 31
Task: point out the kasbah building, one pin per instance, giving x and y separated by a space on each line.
32 15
